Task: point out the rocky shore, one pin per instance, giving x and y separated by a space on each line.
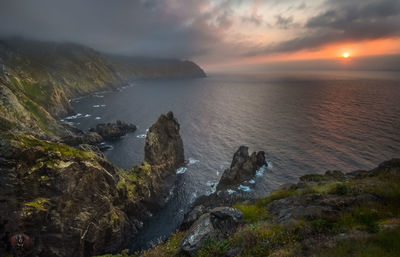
73 202
334 214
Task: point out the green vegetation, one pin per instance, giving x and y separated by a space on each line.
364 228
63 149
130 179
167 249
252 213
385 244
38 204
124 253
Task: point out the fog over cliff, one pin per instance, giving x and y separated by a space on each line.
206 31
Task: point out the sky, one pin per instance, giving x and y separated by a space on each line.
214 33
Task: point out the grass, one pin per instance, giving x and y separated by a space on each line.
38 204
63 149
252 213
166 249
371 228
132 178
382 244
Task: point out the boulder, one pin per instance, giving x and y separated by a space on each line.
164 144
113 131
192 216
219 223
243 167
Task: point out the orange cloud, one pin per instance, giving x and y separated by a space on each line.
355 49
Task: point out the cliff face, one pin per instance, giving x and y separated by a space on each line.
73 202
51 73
69 201
323 215
142 68
43 76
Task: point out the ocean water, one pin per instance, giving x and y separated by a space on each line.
306 122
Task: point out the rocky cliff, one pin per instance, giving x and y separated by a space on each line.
37 79
142 68
73 202
331 214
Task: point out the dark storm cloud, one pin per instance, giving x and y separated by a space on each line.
138 27
343 21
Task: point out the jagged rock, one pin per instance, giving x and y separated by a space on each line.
90 138
91 148
243 167
192 216
164 144
66 200
314 206
392 166
113 131
219 223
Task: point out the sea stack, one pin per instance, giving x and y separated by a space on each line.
164 146
243 167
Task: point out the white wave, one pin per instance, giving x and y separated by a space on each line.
193 161
181 170
87 115
212 185
217 173
68 122
230 191
99 96
102 105
193 197
147 130
141 136
260 171
244 188
96 106
252 181
78 115
171 193
98 118
270 165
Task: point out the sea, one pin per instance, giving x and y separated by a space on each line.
305 122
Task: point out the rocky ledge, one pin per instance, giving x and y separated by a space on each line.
330 214
72 201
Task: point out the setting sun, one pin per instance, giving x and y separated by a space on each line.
346 55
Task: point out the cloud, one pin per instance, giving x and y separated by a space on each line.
285 23
343 21
205 30
180 28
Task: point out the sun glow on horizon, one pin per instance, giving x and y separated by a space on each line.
346 55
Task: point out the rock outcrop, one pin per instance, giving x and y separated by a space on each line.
243 168
42 77
72 201
113 131
164 144
219 223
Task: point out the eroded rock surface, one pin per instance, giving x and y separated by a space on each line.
219 223
243 167
113 131
164 144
